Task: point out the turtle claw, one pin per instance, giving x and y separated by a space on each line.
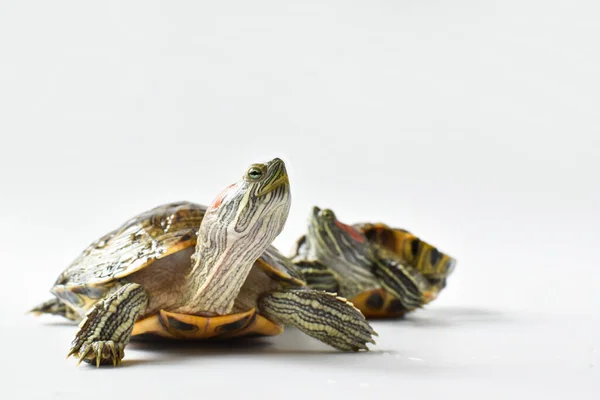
101 352
71 352
83 356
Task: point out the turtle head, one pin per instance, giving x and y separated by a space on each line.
261 195
334 241
239 225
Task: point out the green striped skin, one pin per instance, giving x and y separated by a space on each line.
324 316
361 267
237 228
106 329
403 281
318 276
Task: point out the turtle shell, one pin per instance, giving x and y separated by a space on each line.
147 237
422 256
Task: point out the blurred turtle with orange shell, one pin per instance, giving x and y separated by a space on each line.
384 271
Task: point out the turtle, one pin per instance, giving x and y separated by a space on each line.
386 272
187 271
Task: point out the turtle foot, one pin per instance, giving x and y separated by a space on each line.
106 329
101 352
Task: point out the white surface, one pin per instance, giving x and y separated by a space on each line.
473 124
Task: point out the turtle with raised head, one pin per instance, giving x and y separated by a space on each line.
186 271
385 272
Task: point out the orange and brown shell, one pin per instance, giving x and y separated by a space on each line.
413 251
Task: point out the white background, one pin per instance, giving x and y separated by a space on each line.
473 124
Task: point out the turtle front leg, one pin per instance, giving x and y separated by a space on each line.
332 320
106 329
408 285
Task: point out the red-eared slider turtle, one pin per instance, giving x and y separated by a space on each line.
186 271
385 272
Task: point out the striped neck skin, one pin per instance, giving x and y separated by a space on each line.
238 227
343 249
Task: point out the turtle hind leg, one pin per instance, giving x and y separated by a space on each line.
106 329
55 307
324 316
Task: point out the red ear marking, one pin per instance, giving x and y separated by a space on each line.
217 201
351 231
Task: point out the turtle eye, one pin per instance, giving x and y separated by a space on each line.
255 173
327 214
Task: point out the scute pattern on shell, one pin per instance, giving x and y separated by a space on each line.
143 239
